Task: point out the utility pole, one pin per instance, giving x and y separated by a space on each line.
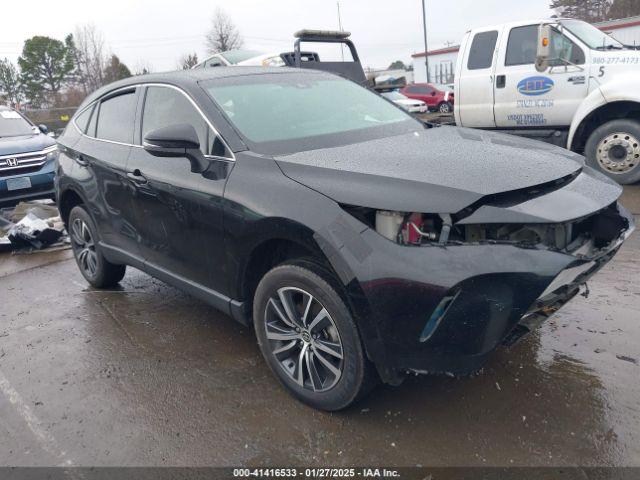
340 27
426 46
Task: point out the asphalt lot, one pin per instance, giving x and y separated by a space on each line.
146 375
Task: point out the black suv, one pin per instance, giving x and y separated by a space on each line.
360 243
27 159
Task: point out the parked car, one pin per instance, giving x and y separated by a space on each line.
27 159
358 242
408 104
252 58
438 100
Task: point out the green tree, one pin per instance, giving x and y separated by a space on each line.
115 70
397 65
10 87
587 10
624 8
46 64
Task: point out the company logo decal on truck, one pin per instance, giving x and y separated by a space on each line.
535 86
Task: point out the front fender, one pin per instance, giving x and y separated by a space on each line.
623 88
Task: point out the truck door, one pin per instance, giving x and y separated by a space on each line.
474 83
525 98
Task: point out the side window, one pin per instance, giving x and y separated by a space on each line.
82 120
482 49
116 118
521 49
164 107
563 50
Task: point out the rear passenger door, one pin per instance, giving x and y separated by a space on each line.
104 151
475 80
179 213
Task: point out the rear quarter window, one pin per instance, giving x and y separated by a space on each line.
482 49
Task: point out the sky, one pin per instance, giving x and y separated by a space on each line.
157 33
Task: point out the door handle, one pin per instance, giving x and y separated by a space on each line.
501 81
137 177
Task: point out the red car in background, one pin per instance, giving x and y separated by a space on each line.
438 98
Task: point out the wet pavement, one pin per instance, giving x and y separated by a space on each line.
146 375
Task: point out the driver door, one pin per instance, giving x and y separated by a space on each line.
526 98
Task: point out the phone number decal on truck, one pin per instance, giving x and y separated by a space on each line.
527 119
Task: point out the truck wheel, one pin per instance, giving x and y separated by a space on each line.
614 149
445 107
309 339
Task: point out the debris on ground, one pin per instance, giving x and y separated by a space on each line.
32 226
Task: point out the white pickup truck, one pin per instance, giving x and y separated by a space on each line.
561 81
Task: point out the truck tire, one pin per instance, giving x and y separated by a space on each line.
614 149
309 339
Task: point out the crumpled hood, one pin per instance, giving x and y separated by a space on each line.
24 144
438 170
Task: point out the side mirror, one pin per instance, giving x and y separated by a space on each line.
177 141
43 128
433 94
544 47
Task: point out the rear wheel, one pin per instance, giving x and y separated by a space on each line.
309 339
94 267
445 107
614 149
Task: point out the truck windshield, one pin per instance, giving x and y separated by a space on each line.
12 124
278 113
591 36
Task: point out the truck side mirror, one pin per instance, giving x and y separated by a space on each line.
543 48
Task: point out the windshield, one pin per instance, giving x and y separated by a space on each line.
237 56
280 113
394 96
590 35
12 124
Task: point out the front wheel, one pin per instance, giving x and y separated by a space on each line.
614 149
309 339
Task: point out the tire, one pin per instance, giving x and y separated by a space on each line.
94 267
291 285
445 107
614 149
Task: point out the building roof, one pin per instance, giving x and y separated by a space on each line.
619 23
440 51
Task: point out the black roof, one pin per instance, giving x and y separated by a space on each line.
188 78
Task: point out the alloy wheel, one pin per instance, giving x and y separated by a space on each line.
304 339
85 247
618 153
444 108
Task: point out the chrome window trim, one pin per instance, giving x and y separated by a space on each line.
162 85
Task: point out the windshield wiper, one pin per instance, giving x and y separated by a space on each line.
610 47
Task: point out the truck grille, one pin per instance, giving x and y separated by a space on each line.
21 163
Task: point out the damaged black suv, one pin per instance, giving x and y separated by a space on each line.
360 243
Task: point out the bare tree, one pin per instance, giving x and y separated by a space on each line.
223 35
188 61
90 57
142 67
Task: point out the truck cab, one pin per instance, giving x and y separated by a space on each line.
562 81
